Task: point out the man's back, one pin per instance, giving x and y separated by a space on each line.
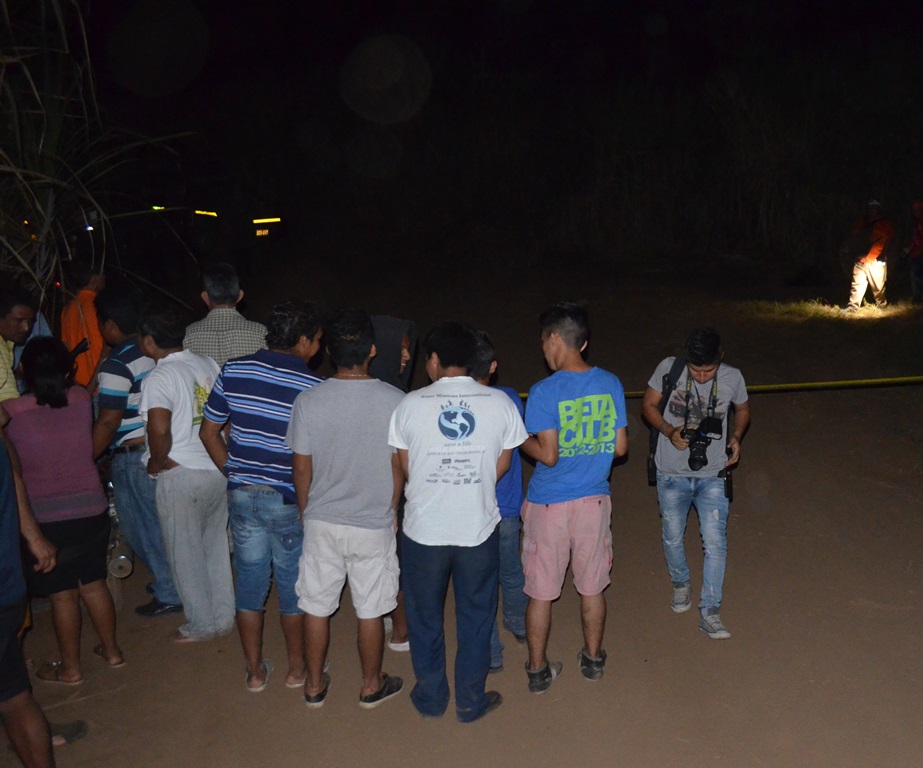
224 334
587 409
343 426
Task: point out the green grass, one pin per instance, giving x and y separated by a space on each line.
819 309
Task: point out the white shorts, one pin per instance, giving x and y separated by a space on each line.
332 553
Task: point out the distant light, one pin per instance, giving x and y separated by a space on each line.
89 227
206 213
267 221
26 221
262 232
157 208
57 283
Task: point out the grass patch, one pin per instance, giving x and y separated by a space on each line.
819 309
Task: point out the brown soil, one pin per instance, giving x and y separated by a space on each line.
822 582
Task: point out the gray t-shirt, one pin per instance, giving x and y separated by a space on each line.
343 426
731 389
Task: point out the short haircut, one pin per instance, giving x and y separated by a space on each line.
486 354
569 320
221 283
350 336
454 343
121 307
291 320
703 347
13 296
164 325
77 273
47 370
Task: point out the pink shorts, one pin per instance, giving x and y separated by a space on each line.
575 531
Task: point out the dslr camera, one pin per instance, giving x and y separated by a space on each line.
699 439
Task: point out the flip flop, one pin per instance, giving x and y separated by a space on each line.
299 684
68 733
264 664
50 672
101 652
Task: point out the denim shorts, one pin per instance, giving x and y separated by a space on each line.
575 531
268 538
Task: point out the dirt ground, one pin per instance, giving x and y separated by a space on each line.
823 579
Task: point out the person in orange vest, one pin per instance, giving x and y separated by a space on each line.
78 321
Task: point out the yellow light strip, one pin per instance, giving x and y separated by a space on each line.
267 221
206 213
157 208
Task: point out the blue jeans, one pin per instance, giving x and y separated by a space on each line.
268 537
134 501
676 495
474 572
512 583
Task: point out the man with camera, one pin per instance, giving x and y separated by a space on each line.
689 401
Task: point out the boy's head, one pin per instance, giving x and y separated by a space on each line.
703 347
451 345
118 314
350 338
569 321
485 362
160 330
291 320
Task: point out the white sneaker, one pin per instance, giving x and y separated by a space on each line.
712 626
682 599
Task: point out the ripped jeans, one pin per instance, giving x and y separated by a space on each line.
676 495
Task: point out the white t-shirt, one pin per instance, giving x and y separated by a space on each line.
180 382
454 431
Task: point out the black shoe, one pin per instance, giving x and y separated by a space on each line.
390 686
156 608
540 680
318 699
592 669
494 701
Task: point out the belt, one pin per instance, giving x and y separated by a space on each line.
129 448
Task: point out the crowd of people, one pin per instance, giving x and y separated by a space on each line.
235 466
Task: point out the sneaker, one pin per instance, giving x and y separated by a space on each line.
156 608
318 699
711 625
390 686
540 680
592 669
399 647
682 599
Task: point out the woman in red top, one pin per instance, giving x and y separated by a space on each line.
50 427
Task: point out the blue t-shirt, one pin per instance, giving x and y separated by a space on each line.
587 409
256 393
12 584
509 487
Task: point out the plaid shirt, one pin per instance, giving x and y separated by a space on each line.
224 334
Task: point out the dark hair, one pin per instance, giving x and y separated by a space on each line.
47 370
703 347
221 283
13 296
350 336
119 306
291 320
454 343
569 320
485 355
163 324
77 274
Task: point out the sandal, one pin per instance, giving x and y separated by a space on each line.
68 733
100 651
50 672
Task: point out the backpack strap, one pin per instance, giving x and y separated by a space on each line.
670 381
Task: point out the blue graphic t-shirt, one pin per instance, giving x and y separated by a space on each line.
587 409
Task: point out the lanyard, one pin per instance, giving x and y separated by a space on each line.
712 398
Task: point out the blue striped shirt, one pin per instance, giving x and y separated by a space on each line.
255 393
120 377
